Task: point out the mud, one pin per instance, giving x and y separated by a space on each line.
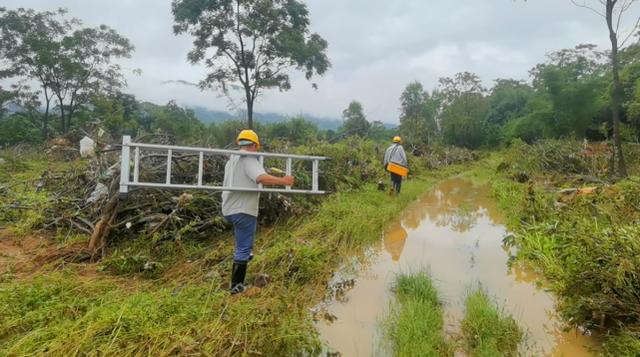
456 232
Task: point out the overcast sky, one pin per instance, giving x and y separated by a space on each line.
376 47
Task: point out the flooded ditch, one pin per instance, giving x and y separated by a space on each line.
455 232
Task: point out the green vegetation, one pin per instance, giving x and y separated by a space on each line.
169 297
159 289
580 232
22 206
70 63
415 323
487 331
414 326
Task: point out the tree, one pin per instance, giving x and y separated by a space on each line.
176 121
508 100
296 130
5 98
118 114
378 132
69 62
417 115
630 81
465 108
613 14
572 80
26 38
18 122
462 83
84 68
253 42
355 122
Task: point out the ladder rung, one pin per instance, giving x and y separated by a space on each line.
288 170
200 168
169 160
136 165
314 185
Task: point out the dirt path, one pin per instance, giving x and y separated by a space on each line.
17 253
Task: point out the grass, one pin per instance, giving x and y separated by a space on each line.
486 330
22 205
587 248
183 307
414 326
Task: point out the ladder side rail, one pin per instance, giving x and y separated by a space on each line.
223 152
221 188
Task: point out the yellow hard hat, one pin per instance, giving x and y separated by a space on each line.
397 139
249 135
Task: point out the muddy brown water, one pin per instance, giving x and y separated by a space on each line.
455 231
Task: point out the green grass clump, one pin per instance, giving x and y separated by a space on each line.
414 326
486 330
21 205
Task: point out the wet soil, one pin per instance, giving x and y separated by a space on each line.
16 253
455 232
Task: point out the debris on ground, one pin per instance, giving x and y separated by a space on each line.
100 192
87 147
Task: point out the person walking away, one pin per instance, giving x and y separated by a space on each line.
395 156
241 208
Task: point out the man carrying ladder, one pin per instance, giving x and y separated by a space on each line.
241 208
244 178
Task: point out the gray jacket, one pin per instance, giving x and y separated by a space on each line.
395 153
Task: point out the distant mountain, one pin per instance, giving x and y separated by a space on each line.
215 116
211 116
13 107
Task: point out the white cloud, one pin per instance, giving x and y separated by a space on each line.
376 46
442 59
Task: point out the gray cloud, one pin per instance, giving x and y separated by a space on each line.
376 46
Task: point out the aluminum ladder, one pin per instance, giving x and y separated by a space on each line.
127 182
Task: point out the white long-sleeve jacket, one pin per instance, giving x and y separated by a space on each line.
395 153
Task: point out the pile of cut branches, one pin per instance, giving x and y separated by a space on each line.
80 196
559 157
437 156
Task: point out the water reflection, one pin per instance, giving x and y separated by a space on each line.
456 231
394 240
455 203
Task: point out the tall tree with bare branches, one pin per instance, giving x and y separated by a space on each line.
613 12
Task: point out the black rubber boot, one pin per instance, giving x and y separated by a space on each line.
238 272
